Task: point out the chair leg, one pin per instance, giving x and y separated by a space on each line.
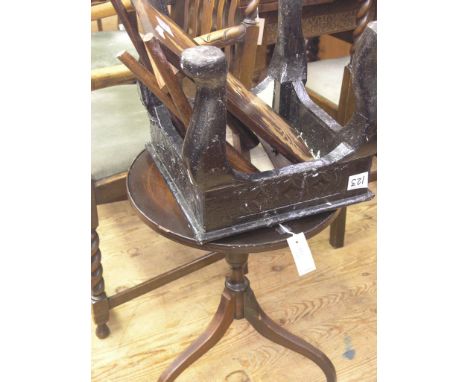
337 230
99 300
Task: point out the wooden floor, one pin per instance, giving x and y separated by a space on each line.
334 308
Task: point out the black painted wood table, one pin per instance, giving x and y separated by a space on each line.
158 208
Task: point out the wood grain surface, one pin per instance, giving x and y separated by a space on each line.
334 308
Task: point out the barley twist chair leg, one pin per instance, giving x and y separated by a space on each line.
99 300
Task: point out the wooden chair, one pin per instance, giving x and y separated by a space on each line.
119 130
118 117
120 126
198 18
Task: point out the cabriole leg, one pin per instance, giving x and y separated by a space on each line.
275 333
213 333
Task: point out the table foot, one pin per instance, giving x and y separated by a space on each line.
213 333
275 333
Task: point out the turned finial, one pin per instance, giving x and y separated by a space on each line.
206 65
204 149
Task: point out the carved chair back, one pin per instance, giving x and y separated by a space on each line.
201 17
198 18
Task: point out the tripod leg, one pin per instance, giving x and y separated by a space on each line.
271 330
213 333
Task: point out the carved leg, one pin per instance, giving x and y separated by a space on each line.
269 329
100 303
206 341
338 229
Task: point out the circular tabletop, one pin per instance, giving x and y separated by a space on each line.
157 206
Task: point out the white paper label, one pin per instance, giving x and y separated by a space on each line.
261 28
358 181
301 253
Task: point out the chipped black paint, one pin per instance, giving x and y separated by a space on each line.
220 201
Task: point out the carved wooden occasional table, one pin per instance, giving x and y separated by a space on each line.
156 205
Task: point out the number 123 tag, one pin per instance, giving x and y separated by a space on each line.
358 181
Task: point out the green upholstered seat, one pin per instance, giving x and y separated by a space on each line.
106 45
119 121
119 129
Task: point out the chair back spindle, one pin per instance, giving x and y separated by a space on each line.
200 17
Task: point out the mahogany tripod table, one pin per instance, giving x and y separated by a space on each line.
156 205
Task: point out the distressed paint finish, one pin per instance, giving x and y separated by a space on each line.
219 201
248 108
204 150
288 73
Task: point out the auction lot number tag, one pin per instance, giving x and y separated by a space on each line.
300 250
358 181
